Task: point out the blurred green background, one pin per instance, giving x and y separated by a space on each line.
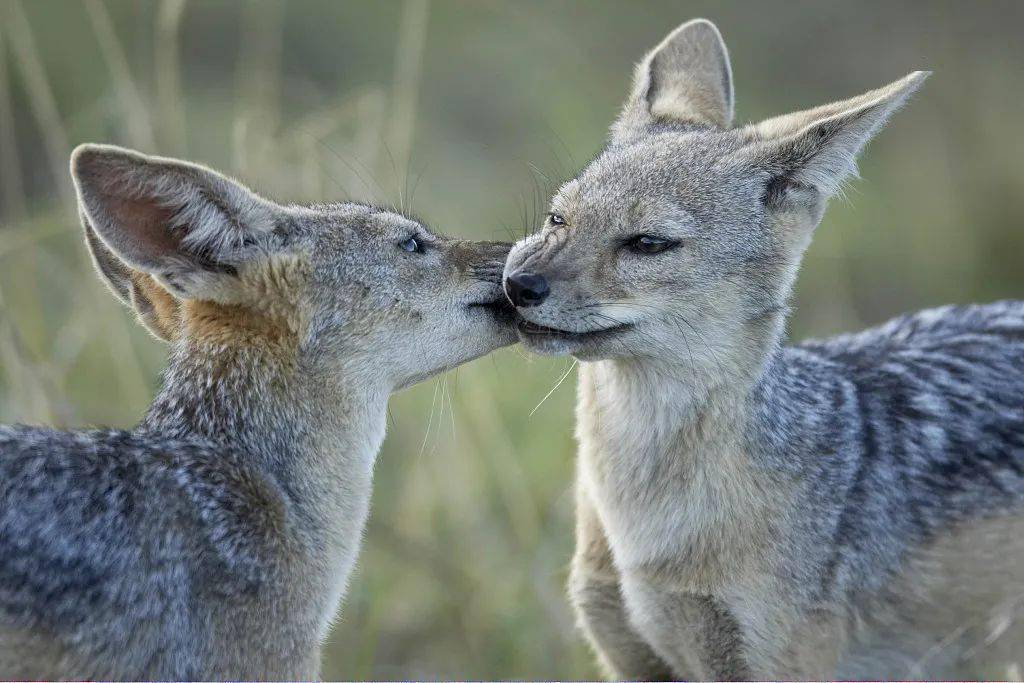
470 114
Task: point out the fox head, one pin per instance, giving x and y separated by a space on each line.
202 259
683 237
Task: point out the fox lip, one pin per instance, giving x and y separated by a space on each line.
532 330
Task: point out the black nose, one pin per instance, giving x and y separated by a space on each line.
526 289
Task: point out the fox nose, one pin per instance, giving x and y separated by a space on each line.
526 289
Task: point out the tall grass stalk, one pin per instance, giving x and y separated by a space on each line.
258 82
136 117
353 176
168 77
40 95
12 188
409 46
493 439
25 376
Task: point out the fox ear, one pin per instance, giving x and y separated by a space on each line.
161 230
685 79
810 153
184 226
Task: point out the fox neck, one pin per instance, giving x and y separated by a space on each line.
718 368
315 432
643 422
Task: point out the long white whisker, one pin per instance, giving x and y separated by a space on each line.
451 404
430 420
554 388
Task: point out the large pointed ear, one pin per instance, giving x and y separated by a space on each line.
685 79
810 153
161 230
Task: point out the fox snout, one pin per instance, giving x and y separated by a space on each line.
524 288
483 257
484 264
482 261
527 279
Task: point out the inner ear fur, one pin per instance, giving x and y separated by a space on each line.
687 78
156 308
816 150
187 226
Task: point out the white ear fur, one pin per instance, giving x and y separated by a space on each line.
819 147
185 225
686 78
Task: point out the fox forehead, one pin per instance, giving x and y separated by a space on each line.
661 151
682 178
348 220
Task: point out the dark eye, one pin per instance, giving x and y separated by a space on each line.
556 219
411 245
649 244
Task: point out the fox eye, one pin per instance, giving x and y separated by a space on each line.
649 244
411 245
556 219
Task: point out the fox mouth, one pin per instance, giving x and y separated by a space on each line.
531 330
500 308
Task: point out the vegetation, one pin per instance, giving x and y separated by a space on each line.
469 115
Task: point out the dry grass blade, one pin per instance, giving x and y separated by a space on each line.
12 189
371 108
412 36
365 108
258 79
168 77
18 237
40 94
136 117
26 376
512 481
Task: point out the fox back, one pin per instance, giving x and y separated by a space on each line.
848 508
215 539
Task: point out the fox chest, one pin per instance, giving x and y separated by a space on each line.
665 511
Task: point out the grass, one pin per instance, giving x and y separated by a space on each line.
469 114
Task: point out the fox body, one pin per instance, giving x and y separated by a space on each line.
215 539
848 508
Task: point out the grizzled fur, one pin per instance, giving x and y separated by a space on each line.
215 539
848 508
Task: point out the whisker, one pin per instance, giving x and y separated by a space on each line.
554 388
394 172
430 420
451 403
349 166
419 176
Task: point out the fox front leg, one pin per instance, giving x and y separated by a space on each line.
699 635
597 598
695 634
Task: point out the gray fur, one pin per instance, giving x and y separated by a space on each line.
685 78
847 508
215 539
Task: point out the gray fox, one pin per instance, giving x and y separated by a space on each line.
849 508
215 539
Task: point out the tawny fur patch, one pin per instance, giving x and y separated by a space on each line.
158 309
234 325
